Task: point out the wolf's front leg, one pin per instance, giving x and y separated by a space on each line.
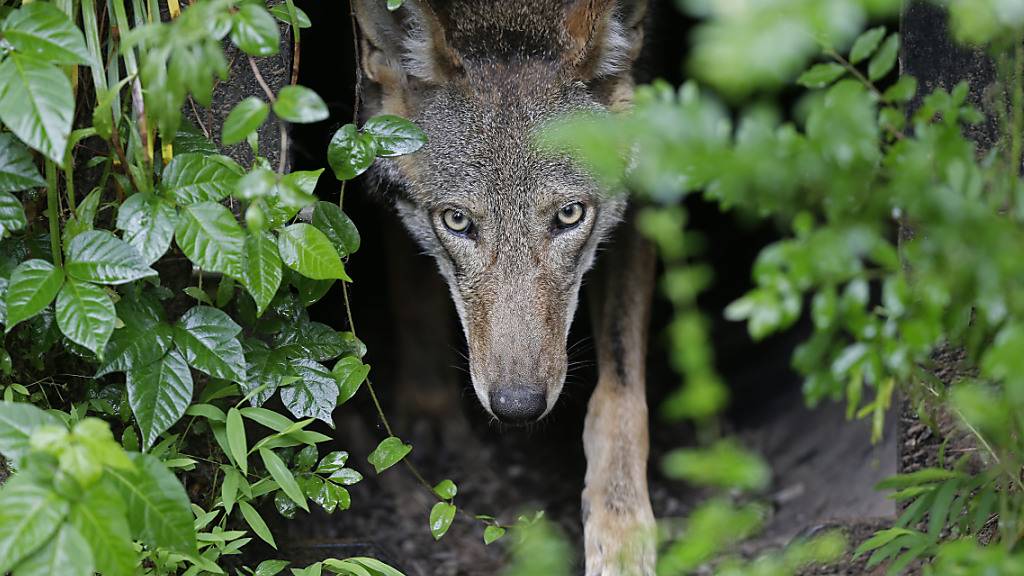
618 523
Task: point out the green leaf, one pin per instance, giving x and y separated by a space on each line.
446 489
300 105
17 169
441 516
885 58
159 393
902 91
261 272
43 31
280 473
143 339
394 135
377 566
86 315
84 217
159 511
337 226
29 515
236 440
346 476
67 553
332 497
101 518
211 238
12 214
148 222
17 423
313 340
256 184
255 521
32 286
350 153
309 252
195 178
395 4
266 369
305 459
492 534
280 11
350 374
332 462
821 75
245 117
36 104
866 44
388 453
296 189
270 567
208 339
99 256
254 30
314 394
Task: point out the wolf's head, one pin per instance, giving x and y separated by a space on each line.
513 229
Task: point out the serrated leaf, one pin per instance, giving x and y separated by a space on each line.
85 314
307 250
350 374
236 439
100 517
207 337
158 394
99 256
441 516
254 30
32 286
337 226
314 394
280 473
17 169
244 119
148 223
300 105
67 553
261 271
195 178
211 238
394 135
17 423
388 453
821 75
43 31
36 104
350 152
866 44
29 515
255 521
885 58
12 214
159 511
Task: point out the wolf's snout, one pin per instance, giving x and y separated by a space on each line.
518 404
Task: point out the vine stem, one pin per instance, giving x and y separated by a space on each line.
53 212
283 150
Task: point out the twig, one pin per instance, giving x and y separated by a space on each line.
283 152
259 80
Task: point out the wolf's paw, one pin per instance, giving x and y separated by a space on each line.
619 542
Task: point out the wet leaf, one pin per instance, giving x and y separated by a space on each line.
388 453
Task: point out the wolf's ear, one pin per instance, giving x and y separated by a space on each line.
604 37
404 45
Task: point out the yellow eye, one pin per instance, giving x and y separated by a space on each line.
456 221
571 215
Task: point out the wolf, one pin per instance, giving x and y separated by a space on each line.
514 228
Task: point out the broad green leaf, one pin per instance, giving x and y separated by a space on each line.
304 339
29 515
17 169
332 497
236 439
903 90
346 476
85 314
143 339
388 453
99 256
158 394
395 4
337 226
211 238
270 567
261 271
84 216
265 368
208 339
305 459
159 511
245 117
441 516
17 422
280 473
394 135
229 488
821 75
446 489
32 286
866 44
492 534
67 553
254 30
101 518
12 214
309 252
195 178
256 184
280 11
297 188
350 374
255 521
380 568
885 58
313 395
300 105
148 222
43 31
350 152
36 104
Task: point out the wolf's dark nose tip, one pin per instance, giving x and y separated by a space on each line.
518 404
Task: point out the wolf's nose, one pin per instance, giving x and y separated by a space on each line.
518 404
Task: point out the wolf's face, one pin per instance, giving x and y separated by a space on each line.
513 228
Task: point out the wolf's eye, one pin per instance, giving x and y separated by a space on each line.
456 221
570 215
